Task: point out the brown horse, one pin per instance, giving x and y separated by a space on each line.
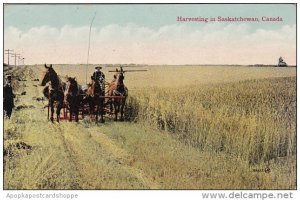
72 98
93 97
117 88
54 92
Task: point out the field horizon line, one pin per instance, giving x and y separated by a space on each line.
167 65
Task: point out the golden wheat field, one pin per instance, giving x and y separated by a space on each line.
187 127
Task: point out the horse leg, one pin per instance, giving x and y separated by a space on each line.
76 114
91 107
65 111
82 111
122 110
116 105
59 106
97 112
71 114
52 111
48 110
111 105
102 110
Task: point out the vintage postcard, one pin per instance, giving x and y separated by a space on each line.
149 96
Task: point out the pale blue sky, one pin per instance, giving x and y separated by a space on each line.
150 15
150 33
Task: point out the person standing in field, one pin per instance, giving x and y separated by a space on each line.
8 97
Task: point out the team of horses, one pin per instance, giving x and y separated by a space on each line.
72 96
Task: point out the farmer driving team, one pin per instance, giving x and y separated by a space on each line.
98 75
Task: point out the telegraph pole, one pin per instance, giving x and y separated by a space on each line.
15 55
19 58
9 52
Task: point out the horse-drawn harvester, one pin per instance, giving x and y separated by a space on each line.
97 99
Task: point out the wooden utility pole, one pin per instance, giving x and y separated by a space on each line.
15 55
19 62
9 52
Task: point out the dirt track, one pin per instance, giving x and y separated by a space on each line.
79 163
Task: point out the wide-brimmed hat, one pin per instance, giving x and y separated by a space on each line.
98 67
